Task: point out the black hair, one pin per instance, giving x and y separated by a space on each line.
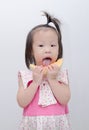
28 50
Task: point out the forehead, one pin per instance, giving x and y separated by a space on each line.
45 33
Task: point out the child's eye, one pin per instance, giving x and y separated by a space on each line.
40 45
53 45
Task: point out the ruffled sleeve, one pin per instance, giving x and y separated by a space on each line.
26 76
63 76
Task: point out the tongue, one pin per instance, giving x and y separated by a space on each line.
46 62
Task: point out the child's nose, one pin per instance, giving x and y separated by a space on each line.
47 50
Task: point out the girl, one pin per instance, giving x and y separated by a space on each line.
43 96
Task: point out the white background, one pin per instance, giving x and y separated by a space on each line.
17 17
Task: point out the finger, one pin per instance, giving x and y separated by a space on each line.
56 67
20 82
19 75
50 67
44 70
38 69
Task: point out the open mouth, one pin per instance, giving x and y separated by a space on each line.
46 61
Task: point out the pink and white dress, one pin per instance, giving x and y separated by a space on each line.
45 112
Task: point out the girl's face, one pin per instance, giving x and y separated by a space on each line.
45 46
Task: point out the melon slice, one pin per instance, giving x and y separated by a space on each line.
58 62
32 66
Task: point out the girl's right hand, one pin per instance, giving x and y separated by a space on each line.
38 75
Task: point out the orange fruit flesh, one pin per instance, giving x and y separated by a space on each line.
58 62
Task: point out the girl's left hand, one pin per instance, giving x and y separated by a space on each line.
52 72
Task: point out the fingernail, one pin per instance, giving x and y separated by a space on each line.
19 74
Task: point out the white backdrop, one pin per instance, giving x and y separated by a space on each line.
16 19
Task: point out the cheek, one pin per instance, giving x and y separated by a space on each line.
36 49
56 52
37 54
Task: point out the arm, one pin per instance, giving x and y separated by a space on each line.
60 90
25 96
